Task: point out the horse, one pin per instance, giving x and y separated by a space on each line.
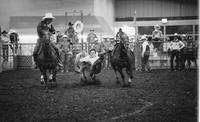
120 58
47 61
86 73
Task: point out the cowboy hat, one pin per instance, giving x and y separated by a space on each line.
64 36
70 24
4 32
143 37
12 31
183 35
175 34
157 26
48 16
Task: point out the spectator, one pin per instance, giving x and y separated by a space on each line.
119 34
137 52
5 39
156 36
145 53
183 52
192 51
91 38
59 36
14 39
106 47
71 34
64 47
97 46
175 46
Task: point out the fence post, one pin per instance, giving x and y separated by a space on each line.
1 56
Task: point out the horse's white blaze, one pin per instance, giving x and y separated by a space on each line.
50 76
41 78
129 80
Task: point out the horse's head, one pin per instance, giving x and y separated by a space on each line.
46 37
119 50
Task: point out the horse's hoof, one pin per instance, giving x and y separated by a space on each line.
97 81
42 82
83 81
126 85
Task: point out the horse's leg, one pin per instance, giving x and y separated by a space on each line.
83 77
51 77
43 78
122 76
130 74
54 77
117 78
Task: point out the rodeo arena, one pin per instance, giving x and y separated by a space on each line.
99 60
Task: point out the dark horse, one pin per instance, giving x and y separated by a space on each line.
120 58
47 61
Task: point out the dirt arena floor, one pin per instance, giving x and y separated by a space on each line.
160 96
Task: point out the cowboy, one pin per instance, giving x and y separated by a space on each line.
65 53
71 34
14 38
46 26
137 52
175 47
59 36
119 34
145 53
4 37
156 36
191 50
97 46
183 52
91 38
93 59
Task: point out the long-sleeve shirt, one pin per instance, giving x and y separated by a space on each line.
90 59
91 37
176 45
157 34
42 27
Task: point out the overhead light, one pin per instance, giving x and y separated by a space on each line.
164 20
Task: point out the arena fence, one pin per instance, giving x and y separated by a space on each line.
24 58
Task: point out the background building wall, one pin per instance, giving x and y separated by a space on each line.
156 8
40 7
105 9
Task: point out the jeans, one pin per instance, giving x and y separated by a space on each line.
145 62
174 53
